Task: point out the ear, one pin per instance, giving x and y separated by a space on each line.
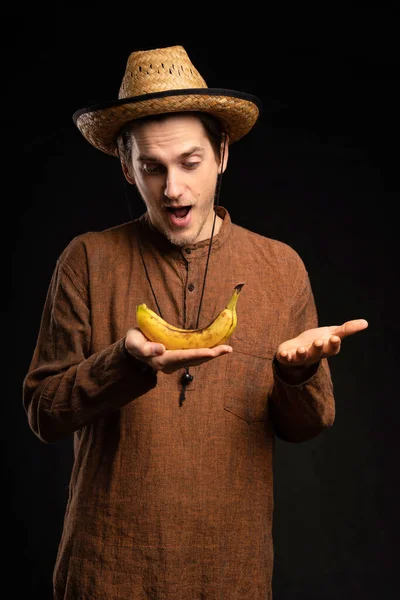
125 169
224 152
128 175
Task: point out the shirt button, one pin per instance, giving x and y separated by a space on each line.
188 250
190 287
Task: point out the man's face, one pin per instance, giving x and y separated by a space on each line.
175 170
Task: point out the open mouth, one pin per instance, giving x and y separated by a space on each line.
179 213
179 217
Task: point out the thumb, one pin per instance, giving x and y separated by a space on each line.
153 349
350 327
140 346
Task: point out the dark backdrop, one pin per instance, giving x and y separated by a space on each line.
319 171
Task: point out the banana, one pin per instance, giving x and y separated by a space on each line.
156 329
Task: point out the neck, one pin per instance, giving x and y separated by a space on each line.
211 229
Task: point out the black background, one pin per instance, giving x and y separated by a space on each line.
319 171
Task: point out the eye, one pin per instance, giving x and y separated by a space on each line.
191 165
151 168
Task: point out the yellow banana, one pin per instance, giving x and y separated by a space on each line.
217 332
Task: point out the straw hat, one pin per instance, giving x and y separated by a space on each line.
164 80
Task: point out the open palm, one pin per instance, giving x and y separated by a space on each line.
312 345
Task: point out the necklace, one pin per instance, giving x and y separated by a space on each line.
187 377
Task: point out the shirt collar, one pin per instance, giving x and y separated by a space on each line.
150 235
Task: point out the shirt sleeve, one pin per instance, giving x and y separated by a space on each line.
67 386
303 410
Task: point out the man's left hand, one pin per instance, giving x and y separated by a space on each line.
314 344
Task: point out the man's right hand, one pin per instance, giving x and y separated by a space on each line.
168 361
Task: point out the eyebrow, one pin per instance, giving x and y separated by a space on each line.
194 150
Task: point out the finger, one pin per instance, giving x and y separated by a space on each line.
220 350
285 355
176 359
349 328
151 349
334 344
140 346
202 354
316 350
301 355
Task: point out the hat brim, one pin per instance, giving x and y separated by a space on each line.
100 124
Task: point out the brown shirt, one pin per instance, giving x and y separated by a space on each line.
170 501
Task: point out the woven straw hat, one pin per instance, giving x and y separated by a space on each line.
164 80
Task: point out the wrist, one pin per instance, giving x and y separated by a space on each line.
295 374
140 365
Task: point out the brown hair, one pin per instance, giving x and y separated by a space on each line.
213 128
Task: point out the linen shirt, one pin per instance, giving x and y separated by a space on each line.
171 500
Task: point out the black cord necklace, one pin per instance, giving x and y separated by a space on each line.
187 377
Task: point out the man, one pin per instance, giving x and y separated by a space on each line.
171 492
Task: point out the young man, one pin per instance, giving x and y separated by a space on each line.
171 492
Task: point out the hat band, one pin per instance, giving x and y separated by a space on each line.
169 93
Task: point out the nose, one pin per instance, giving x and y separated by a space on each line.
174 186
